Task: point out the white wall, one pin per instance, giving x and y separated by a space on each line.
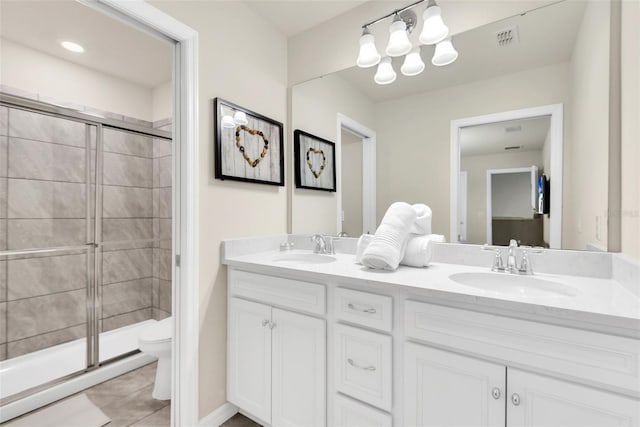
36 72
546 169
511 196
252 74
162 101
587 210
630 167
316 105
414 133
476 167
333 45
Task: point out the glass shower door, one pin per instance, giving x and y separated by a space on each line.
47 257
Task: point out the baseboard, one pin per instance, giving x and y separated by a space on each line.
220 415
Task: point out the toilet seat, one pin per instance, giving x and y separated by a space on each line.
161 331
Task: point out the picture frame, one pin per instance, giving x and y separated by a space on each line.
249 147
315 162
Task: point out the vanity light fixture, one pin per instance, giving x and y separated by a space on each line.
434 31
385 74
238 119
72 47
368 55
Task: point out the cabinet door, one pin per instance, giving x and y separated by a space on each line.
249 357
299 377
446 389
535 400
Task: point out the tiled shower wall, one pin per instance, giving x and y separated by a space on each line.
43 203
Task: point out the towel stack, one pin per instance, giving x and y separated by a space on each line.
403 237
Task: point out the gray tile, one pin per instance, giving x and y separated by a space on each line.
46 199
155 292
166 171
41 160
156 202
114 230
34 316
124 265
4 194
161 418
121 387
39 233
157 124
40 127
164 295
122 142
127 202
156 173
124 297
161 147
164 207
156 230
165 244
3 281
46 275
4 153
135 407
121 320
38 342
137 121
3 324
239 420
165 228
9 90
4 120
3 352
61 102
164 268
119 246
119 169
156 262
159 314
3 234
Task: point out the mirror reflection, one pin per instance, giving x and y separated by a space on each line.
557 64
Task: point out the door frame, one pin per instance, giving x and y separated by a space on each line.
555 111
368 171
532 170
185 224
462 207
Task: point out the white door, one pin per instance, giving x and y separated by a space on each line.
446 389
462 207
299 373
249 357
535 400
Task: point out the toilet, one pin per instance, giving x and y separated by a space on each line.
155 340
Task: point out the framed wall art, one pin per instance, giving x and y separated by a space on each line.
249 147
315 162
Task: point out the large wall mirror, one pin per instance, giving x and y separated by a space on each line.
509 141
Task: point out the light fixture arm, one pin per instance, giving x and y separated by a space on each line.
396 12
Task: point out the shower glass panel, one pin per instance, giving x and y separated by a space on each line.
46 259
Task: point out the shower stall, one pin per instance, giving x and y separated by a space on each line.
85 243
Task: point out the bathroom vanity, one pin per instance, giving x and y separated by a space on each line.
317 340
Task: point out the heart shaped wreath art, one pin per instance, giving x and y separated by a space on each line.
310 163
265 149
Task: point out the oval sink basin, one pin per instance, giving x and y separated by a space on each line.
304 258
510 284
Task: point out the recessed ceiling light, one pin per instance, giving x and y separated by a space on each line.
73 47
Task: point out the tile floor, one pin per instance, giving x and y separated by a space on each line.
127 401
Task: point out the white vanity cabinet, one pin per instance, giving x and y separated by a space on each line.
276 359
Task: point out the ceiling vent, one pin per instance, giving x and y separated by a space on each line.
507 36
513 147
510 129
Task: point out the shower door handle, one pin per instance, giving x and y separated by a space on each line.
93 245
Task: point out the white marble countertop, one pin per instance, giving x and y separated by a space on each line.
600 304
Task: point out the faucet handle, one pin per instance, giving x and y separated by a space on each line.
498 264
320 244
525 264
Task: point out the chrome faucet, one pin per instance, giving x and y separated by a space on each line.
511 257
512 264
324 244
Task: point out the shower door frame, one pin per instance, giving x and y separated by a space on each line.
94 245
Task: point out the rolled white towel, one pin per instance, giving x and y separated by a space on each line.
389 243
422 224
420 250
363 242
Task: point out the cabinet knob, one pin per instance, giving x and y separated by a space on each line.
356 365
265 322
495 392
364 310
272 325
515 399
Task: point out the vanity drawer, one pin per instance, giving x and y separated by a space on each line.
294 294
364 308
567 352
350 413
362 365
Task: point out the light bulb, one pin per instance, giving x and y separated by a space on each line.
385 74
227 122
73 47
399 43
368 55
240 118
444 54
433 29
413 64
